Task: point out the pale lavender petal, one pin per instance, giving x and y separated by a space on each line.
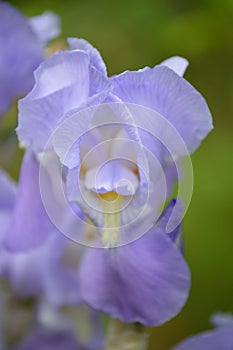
30 224
95 57
64 82
21 53
177 64
45 26
219 339
174 98
146 281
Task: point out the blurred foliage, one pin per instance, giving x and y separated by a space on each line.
130 35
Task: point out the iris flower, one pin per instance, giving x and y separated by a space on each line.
107 150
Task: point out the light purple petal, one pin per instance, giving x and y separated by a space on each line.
177 64
173 97
146 281
95 57
45 26
63 82
30 225
219 339
21 53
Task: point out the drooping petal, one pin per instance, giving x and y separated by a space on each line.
21 53
46 26
146 281
63 82
162 90
177 64
218 339
95 57
30 224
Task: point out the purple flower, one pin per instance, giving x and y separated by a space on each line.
22 44
106 149
220 338
71 81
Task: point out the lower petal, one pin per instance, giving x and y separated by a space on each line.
146 281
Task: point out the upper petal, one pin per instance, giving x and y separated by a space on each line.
46 26
162 90
95 57
63 82
177 64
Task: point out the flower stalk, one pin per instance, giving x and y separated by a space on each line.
125 336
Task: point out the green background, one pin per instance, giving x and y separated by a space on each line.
134 34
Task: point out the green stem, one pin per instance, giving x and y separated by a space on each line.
125 336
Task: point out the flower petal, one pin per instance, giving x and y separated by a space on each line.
95 57
146 281
115 176
30 224
174 98
63 82
46 26
177 64
219 339
21 53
